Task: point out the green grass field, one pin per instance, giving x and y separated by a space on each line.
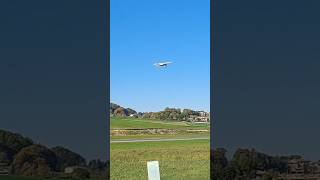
167 136
179 160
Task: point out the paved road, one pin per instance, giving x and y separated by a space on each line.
157 140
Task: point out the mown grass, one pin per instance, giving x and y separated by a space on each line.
167 136
134 123
179 160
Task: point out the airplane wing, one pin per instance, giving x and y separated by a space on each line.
162 63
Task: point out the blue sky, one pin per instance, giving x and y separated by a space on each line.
143 32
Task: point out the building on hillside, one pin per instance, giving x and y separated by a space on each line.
134 115
4 168
314 168
71 169
199 119
260 174
298 166
203 114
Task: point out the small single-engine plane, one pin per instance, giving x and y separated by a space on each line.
162 64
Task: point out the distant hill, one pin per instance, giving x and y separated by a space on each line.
23 157
116 110
175 114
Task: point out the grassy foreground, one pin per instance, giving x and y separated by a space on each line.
179 160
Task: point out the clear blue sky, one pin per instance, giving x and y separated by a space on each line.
143 32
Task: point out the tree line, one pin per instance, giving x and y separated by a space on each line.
176 114
171 114
26 158
245 165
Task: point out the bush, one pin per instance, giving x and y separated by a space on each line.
81 173
66 158
6 154
34 160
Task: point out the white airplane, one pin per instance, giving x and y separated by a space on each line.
162 64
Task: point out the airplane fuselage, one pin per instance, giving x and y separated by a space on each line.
162 64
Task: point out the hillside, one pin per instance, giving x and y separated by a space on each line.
252 164
116 110
20 156
174 114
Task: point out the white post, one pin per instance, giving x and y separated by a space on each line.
153 170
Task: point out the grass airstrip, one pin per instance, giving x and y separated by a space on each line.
185 156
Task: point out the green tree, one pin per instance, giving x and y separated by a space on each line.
218 163
122 112
6 154
14 141
80 173
97 165
66 157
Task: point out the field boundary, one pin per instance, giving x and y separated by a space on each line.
157 140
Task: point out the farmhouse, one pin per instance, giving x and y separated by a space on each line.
204 114
134 115
194 118
71 169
